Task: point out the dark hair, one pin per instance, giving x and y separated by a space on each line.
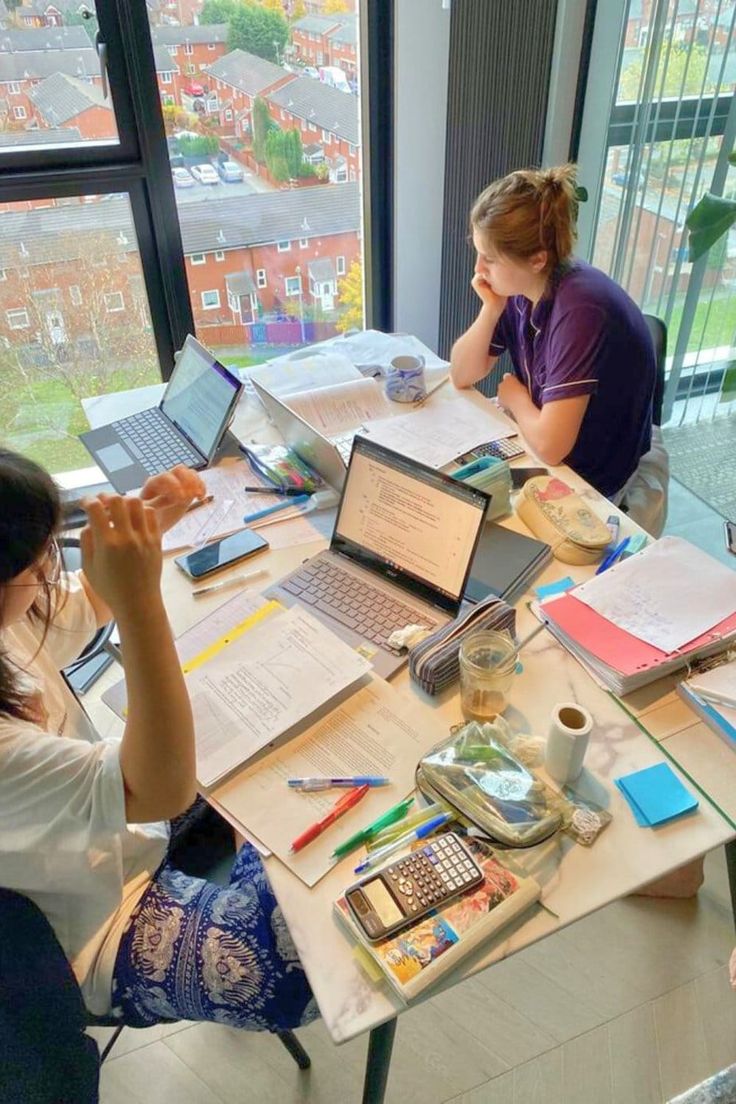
30 511
530 210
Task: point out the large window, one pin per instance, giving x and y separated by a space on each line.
162 185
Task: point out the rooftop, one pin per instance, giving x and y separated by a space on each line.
60 98
39 64
43 38
163 60
251 74
319 104
180 36
61 136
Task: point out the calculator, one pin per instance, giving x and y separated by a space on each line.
390 899
504 449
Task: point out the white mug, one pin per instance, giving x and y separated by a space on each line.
405 380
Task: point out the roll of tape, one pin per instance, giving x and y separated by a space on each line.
567 741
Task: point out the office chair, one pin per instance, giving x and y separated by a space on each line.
72 555
45 1055
658 332
647 498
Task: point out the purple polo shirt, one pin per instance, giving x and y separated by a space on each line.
587 337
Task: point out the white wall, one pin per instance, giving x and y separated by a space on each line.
422 36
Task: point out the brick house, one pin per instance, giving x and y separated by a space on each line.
167 74
53 13
326 40
236 80
192 48
325 117
65 101
21 71
70 275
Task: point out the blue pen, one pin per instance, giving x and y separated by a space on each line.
613 556
314 784
297 500
377 857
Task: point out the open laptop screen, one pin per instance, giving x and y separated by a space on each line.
413 525
200 397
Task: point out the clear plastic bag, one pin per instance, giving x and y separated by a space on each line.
476 773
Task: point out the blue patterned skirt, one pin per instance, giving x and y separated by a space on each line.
193 950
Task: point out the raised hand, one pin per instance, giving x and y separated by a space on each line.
121 553
171 494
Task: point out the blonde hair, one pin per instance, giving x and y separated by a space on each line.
530 210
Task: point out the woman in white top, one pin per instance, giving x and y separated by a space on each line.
83 827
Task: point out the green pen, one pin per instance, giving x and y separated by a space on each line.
398 812
421 816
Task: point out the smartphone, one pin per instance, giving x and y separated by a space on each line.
730 530
519 476
221 553
390 899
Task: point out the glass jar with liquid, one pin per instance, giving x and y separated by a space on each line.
487 666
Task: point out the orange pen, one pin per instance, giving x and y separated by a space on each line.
345 803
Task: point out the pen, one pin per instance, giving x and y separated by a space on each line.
613 556
346 802
398 812
275 490
431 391
421 816
243 578
200 502
403 841
310 785
296 500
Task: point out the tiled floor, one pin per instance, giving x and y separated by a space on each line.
629 1006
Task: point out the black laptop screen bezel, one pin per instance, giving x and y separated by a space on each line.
390 571
204 354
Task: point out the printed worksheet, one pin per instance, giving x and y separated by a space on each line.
668 594
378 730
342 407
273 676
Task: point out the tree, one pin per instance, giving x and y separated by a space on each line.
262 125
298 11
350 294
334 7
273 5
683 65
203 146
257 31
218 11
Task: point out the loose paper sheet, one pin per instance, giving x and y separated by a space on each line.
275 675
437 433
305 370
226 481
668 594
341 408
377 730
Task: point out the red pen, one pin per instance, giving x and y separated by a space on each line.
346 802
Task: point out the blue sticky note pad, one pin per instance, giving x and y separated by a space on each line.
558 587
657 793
639 817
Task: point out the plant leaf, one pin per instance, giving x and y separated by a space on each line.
732 157
708 220
581 194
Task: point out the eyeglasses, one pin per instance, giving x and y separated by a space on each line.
47 569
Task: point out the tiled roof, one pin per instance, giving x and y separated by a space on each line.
40 7
319 104
346 34
180 36
60 98
247 72
163 61
61 136
39 64
60 233
240 283
316 24
13 41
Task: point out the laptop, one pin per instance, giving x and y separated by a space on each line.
319 452
400 553
185 428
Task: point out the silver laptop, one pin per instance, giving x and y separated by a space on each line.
329 457
400 553
185 428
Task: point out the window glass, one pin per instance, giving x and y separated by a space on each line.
74 320
263 132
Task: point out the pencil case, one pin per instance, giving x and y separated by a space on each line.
492 475
434 663
476 775
558 515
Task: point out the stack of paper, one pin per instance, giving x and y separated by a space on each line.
658 611
656 795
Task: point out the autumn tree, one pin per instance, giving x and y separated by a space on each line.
298 11
273 5
350 294
334 7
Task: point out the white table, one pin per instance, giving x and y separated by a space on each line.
576 880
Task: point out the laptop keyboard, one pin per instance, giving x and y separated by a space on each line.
350 600
344 445
154 442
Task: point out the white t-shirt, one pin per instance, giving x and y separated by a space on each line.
64 841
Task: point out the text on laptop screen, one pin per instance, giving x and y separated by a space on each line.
199 397
410 518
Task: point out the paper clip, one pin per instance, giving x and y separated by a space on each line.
212 523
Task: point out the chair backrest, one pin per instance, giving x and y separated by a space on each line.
45 1057
658 332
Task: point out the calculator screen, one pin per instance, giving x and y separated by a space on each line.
385 907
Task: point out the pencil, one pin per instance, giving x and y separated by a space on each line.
200 502
421 402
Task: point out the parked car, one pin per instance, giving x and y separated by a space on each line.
182 179
333 76
204 174
230 172
310 71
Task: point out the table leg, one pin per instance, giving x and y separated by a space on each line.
731 867
380 1045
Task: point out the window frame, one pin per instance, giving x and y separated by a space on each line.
261 278
113 295
289 280
18 310
210 306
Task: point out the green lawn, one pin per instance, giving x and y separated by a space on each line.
710 328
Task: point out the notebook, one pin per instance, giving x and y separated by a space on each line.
418 956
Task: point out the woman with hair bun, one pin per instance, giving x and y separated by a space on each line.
584 366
